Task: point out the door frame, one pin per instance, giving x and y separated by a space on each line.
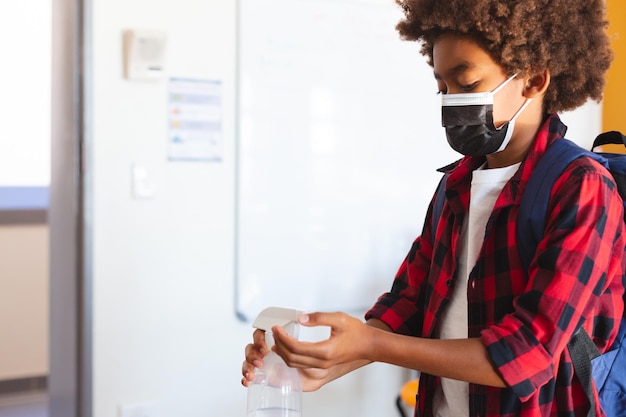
70 334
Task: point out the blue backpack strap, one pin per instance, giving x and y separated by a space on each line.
530 230
612 361
534 203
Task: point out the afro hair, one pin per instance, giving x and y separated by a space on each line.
567 37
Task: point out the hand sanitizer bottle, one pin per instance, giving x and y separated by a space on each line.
276 390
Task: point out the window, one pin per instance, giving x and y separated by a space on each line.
25 73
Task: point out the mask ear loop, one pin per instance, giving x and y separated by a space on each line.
521 109
498 88
517 113
473 99
511 125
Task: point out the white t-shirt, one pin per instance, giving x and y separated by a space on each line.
453 397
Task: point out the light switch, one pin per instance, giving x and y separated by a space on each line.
142 183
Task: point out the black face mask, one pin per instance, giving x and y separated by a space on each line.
470 129
468 120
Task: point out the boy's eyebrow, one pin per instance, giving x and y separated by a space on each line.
459 69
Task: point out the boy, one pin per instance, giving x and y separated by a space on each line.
488 336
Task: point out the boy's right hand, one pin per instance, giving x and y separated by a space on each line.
255 352
312 379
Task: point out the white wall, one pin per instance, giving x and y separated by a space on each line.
164 326
584 123
23 301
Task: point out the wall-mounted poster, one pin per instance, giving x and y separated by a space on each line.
195 120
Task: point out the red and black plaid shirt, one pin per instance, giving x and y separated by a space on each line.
525 318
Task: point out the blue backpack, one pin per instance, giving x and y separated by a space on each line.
608 370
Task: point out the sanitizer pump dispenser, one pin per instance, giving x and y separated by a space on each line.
276 390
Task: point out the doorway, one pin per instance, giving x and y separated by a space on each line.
24 188
42 213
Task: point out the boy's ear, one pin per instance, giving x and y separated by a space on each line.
537 84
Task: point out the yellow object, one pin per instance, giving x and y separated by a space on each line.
614 104
409 391
612 148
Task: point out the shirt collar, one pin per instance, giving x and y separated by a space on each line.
551 129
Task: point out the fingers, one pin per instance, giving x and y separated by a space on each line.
255 354
295 360
247 370
301 354
259 339
337 349
322 319
254 357
300 360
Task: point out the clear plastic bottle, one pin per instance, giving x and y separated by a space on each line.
276 390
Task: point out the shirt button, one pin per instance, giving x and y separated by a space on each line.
473 285
449 283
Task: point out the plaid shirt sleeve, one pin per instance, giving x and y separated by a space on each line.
571 281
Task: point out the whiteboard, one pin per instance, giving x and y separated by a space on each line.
339 137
